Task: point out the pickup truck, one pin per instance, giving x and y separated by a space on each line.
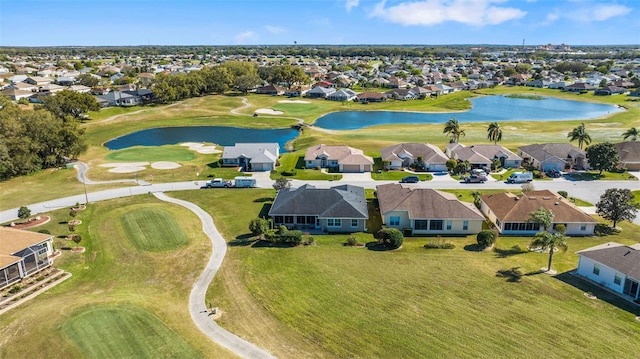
218 183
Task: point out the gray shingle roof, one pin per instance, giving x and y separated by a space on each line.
619 257
344 201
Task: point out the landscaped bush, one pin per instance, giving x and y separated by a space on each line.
486 238
15 289
258 226
564 194
439 243
44 231
284 236
289 172
390 237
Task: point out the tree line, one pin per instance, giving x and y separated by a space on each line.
32 140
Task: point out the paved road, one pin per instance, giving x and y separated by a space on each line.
197 299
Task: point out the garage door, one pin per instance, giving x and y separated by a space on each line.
351 168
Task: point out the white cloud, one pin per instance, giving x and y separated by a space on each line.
595 13
275 29
245 37
350 4
433 12
551 18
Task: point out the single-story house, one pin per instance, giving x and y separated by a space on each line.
510 213
38 80
270 90
480 156
79 88
558 156
614 266
320 92
145 95
405 154
16 95
629 153
296 91
610 90
427 211
252 156
402 94
342 95
371 97
336 209
117 98
342 158
579 87
22 253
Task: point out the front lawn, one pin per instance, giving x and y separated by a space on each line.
292 166
596 176
398 175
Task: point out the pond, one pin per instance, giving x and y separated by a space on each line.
484 109
220 135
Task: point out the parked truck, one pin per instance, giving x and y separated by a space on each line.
520 177
218 183
244 182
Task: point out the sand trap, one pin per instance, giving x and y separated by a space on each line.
294 101
163 165
200 147
127 169
268 111
125 164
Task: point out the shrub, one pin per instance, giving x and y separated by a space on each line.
72 228
77 238
293 238
390 237
258 226
24 212
486 238
352 241
309 241
563 193
44 231
439 243
15 289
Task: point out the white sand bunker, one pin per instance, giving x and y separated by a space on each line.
126 167
268 111
294 101
164 165
200 147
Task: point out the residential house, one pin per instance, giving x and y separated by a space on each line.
581 87
340 158
79 88
16 95
371 97
538 83
296 91
145 95
38 80
427 211
270 90
252 156
118 98
22 253
480 156
65 81
320 92
510 213
629 153
403 155
336 209
613 266
558 156
342 95
610 90
402 94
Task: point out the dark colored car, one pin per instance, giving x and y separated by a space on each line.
410 179
475 179
554 173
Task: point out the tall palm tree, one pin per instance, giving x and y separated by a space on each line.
543 217
633 133
494 132
549 241
580 134
452 128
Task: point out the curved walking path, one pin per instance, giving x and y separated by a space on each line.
245 104
197 298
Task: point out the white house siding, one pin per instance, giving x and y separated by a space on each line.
574 229
394 165
431 167
605 277
474 227
346 226
512 163
405 222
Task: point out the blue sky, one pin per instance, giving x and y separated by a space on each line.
340 22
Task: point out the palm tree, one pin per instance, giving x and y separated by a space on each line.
452 128
494 132
633 133
580 133
549 241
542 216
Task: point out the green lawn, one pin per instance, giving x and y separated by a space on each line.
152 229
129 289
606 176
132 332
412 302
152 154
292 166
398 175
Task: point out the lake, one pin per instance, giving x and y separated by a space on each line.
220 135
484 109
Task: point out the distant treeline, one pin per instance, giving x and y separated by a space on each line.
324 51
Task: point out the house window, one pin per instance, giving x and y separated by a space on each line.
465 225
449 224
420 224
617 279
278 219
596 269
435 224
583 227
300 219
288 219
394 221
334 222
354 223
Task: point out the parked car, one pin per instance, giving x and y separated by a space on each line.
475 179
410 179
218 183
554 173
